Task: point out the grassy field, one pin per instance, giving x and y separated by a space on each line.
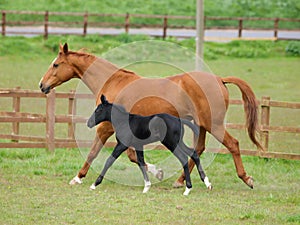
254 8
34 183
34 190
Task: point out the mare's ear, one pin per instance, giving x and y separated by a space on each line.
103 99
63 48
66 48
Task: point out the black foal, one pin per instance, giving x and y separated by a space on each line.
136 131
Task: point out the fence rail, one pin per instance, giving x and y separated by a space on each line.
49 141
127 21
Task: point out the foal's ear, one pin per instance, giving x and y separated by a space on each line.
103 99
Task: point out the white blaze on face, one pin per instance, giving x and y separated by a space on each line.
48 69
53 62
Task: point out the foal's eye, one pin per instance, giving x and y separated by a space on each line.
55 65
99 109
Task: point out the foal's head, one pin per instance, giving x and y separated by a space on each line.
102 113
59 71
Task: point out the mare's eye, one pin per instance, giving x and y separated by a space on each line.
55 65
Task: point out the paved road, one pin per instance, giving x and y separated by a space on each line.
210 35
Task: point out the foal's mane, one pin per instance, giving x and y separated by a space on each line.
120 108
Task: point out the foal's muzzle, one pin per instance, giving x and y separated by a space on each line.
91 122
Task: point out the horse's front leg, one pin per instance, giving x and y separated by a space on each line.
111 159
104 131
142 165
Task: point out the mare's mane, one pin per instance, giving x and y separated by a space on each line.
81 53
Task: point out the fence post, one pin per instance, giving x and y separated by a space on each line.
240 27
265 122
3 22
127 22
46 20
85 23
50 121
276 21
16 108
165 27
71 112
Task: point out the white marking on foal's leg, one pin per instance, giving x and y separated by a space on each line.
187 191
75 180
92 187
207 183
147 186
157 173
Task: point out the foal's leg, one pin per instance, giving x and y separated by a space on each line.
104 131
201 172
184 162
200 147
142 165
158 173
111 159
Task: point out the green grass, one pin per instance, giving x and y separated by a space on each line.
34 190
254 8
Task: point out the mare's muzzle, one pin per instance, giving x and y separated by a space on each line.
44 89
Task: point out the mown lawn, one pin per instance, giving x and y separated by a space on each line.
34 190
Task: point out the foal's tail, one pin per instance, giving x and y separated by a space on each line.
196 131
250 107
193 127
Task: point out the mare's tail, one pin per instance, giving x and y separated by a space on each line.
250 107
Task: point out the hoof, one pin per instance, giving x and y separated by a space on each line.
92 187
75 180
177 184
187 191
210 187
160 174
147 187
250 182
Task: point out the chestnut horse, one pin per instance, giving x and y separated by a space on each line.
197 96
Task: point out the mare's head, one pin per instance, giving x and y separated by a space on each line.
60 71
102 113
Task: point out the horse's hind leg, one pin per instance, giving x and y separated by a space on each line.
184 162
200 147
201 172
233 146
142 165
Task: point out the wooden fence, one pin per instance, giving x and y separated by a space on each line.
128 21
49 141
